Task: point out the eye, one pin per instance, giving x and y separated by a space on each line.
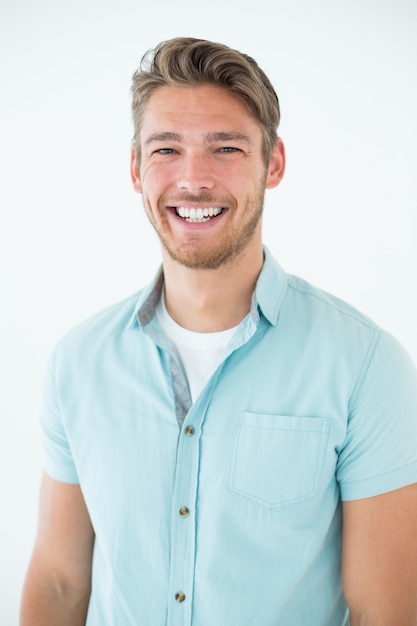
164 151
229 150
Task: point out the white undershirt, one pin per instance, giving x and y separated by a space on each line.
199 353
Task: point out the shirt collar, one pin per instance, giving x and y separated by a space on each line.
268 295
148 299
270 288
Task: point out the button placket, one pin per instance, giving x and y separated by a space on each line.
183 528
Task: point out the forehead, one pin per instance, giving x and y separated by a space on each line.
204 108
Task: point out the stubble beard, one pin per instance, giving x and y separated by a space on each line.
226 251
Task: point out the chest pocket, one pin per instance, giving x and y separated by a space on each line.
277 459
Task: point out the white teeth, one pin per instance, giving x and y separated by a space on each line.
198 215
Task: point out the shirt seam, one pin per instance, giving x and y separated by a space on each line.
367 362
358 317
374 476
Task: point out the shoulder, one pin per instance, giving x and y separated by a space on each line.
95 332
322 302
327 323
336 327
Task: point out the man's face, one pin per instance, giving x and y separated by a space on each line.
202 175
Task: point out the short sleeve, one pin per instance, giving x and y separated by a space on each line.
379 453
58 460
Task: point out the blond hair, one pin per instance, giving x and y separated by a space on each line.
185 61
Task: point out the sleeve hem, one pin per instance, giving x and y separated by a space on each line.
377 485
63 474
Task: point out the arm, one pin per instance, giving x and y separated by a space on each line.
58 581
380 558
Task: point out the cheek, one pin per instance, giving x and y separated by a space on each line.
244 177
154 181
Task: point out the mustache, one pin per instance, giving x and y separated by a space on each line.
203 196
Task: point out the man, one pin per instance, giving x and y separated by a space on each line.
231 446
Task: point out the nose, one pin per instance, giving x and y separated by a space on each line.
195 173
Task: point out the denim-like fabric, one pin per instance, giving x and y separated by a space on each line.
313 404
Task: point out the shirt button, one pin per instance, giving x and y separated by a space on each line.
184 512
180 596
189 431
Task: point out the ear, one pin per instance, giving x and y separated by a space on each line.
276 167
134 172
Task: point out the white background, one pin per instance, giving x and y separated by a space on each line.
73 235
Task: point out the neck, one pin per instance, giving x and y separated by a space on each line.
211 300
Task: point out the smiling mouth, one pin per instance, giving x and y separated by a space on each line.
199 215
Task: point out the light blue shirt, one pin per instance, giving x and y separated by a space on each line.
227 512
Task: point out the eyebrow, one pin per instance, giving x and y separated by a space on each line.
222 136
210 137
163 137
